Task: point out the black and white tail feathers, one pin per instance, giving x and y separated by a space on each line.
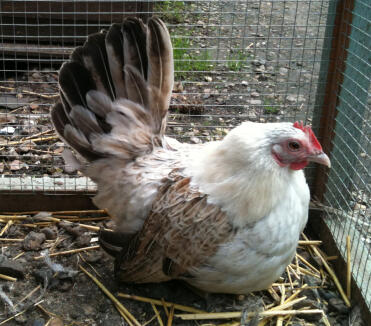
115 91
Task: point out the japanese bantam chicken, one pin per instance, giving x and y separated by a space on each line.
224 216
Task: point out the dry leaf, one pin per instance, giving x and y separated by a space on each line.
15 165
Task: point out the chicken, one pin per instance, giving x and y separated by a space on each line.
224 216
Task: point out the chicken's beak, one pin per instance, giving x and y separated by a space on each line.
320 158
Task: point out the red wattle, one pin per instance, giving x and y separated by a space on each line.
298 165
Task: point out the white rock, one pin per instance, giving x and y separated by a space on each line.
291 99
255 102
283 71
8 130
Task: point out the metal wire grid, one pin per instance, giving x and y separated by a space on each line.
348 194
236 60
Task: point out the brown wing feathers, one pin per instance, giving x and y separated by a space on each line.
109 93
181 232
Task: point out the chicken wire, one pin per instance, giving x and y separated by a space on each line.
234 61
348 198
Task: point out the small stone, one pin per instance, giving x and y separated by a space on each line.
88 310
34 106
33 241
255 102
358 206
283 71
50 233
25 148
11 267
337 305
93 257
36 75
244 83
71 228
258 62
83 240
38 322
255 94
195 140
208 79
291 98
8 130
260 69
263 77
56 322
17 165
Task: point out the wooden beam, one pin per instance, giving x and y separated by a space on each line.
31 201
21 49
98 11
335 75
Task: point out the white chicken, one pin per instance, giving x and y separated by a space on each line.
224 216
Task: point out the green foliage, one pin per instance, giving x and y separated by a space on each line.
237 60
269 108
186 60
172 11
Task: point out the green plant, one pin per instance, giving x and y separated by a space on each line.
269 108
237 60
186 60
172 11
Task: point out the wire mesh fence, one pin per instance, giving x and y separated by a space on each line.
348 195
234 61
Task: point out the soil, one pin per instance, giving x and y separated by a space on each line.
69 296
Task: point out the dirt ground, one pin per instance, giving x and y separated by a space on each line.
65 295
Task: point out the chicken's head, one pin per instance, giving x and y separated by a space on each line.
299 147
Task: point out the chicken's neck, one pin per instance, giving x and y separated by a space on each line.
246 185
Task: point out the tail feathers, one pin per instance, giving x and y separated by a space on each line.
135 55
115 53
160 72
93 56
115 91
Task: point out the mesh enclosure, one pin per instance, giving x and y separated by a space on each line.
234 61
348 196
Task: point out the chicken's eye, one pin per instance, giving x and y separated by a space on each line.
294 145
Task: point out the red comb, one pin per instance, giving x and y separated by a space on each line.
308 130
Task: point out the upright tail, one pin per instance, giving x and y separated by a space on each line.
115 91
